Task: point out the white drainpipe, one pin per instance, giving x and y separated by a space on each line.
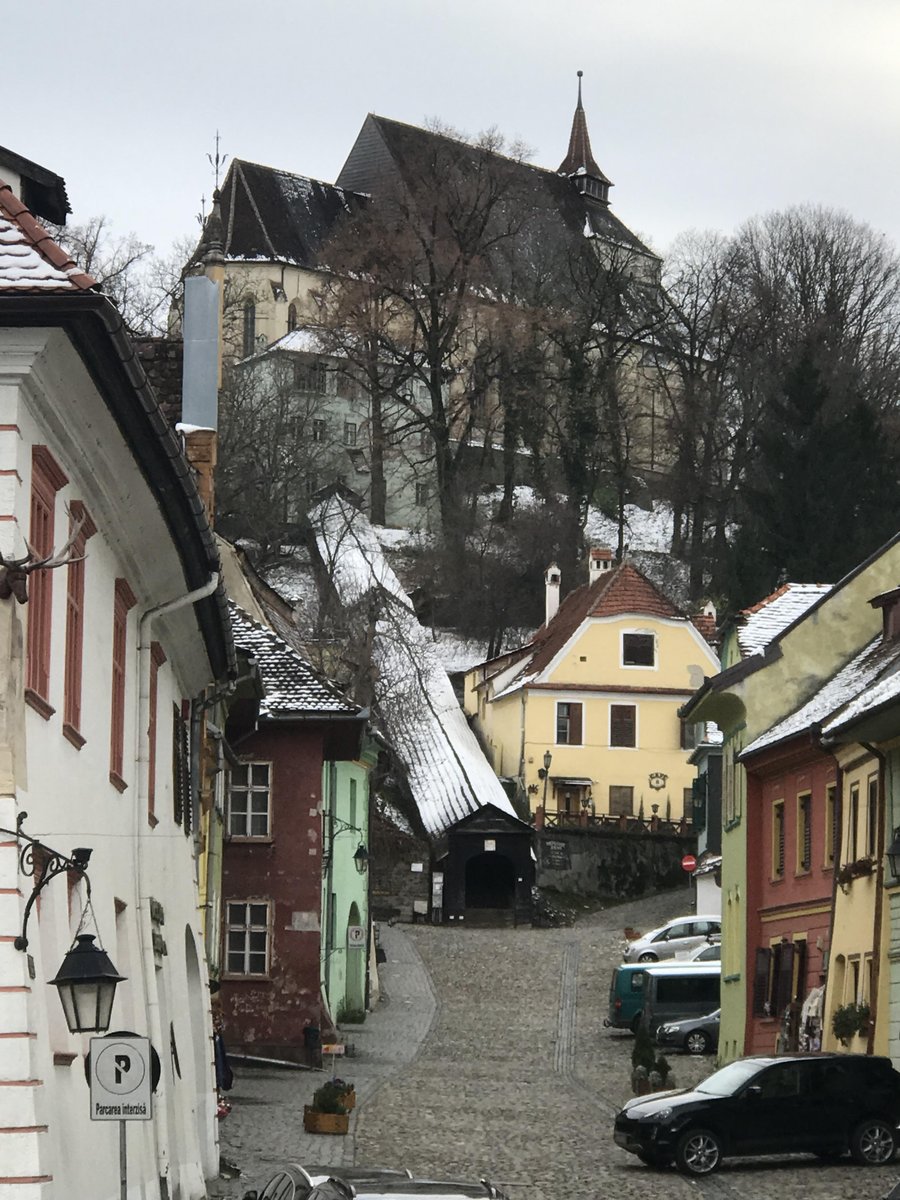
158 1036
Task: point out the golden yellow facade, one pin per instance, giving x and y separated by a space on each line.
520 724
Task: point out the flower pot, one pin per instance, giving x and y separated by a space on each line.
321 1122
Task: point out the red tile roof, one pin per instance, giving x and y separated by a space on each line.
617 592
30 260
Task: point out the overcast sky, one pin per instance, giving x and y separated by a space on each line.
701 112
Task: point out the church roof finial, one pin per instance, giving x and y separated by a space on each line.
579 161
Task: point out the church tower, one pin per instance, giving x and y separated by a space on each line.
579 162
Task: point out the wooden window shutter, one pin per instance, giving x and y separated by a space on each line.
761 980
575 724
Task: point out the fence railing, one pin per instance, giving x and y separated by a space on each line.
625 823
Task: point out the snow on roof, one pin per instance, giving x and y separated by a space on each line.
764 621
853 682
299 341
30 261
869 698
449 776
291 685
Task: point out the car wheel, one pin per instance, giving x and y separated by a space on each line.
279 1187
648 956
636 1022
699 1152
872 1143
697 1042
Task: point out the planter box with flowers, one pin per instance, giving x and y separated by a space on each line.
330 1109
849 1020
857 869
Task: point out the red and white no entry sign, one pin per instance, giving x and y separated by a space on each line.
689 863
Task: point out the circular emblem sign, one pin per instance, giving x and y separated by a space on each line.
689 863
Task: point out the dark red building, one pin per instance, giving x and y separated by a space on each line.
281 732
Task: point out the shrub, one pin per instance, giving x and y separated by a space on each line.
329 1098
849 1019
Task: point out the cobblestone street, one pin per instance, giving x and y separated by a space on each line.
488 1057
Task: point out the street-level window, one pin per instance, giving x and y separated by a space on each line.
622 725
621 800
247 938
568 723
638 650
248 800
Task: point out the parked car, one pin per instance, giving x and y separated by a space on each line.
626 991
681 935
697 1035
824 1104
709 953
677 992
294 1182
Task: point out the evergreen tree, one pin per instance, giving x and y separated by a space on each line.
825 491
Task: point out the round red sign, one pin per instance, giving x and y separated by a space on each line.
688 863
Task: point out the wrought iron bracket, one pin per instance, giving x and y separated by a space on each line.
34 855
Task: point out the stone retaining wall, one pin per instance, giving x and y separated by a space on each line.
611 863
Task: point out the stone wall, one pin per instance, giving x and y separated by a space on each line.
611 864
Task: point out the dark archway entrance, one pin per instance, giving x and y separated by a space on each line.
490 881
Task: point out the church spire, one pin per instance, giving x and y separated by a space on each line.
579 162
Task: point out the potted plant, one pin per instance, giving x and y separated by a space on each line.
848 1020
328 1112
347 1091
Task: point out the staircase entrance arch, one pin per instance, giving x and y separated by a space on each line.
490 881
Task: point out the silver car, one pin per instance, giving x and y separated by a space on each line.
676 937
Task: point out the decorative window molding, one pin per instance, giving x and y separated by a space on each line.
72 677
623 726
569 723
47 478
247 938
157 658
124 601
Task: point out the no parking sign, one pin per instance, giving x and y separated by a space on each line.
121 1079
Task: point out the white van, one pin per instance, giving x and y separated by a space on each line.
672 994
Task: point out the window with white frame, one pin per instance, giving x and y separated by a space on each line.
569 729
638 650
248 800
349 433
247 937
622 725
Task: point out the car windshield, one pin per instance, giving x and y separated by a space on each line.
728 1080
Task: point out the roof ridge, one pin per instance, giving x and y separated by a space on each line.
41 241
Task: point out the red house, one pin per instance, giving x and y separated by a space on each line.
281 732
791 799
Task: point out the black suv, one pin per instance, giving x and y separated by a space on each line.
825 1104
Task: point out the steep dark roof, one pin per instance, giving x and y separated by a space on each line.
579 159
383 144
273 215
292 687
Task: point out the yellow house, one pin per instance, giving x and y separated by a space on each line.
585 717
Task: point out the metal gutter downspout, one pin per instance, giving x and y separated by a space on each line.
827 747
158 1037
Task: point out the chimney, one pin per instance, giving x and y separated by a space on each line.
202 373
600 561
551 593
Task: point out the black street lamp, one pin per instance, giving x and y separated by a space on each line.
893 854
86 980
87 986
544 773
361 858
